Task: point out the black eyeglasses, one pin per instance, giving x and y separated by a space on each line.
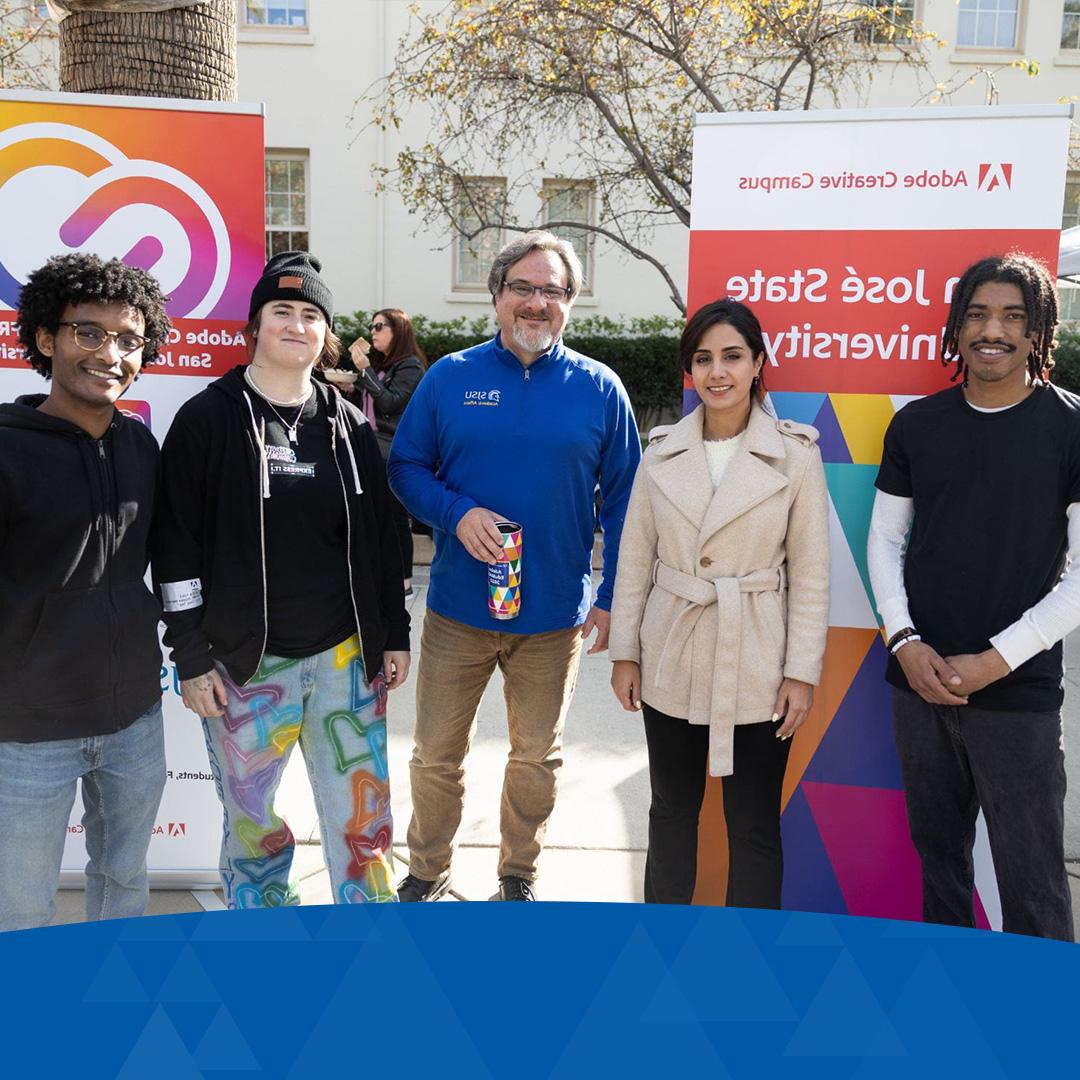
375 326
91 337
551 293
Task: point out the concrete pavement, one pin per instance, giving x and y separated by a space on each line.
595 846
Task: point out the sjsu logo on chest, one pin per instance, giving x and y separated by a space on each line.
482 397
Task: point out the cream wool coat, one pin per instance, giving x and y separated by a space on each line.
719 596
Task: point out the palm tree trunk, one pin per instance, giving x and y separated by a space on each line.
183 52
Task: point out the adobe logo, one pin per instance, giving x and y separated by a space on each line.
177 828
992 176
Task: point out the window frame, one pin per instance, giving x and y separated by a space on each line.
457 283
1018 36
290 155
588 257
1065 14
245 27
897 42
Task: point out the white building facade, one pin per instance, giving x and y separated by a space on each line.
310 61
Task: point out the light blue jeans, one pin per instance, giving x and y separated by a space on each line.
123 776
325 703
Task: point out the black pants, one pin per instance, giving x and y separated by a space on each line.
678 764
403 530
1012 765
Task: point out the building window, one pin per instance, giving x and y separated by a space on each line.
1070 214
286 202
573 200
1069 293
292 14
479 199
988 24
900 15
1070 25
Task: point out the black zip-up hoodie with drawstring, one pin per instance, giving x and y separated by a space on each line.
209 561
79 653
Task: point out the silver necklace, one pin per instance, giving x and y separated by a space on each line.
289 428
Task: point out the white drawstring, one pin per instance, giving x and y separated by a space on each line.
352 457
264 461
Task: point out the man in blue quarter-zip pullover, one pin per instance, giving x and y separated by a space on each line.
519 428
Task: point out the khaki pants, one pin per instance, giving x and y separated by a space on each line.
456 663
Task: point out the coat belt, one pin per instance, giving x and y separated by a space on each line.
714 705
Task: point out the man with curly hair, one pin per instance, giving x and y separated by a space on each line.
80 664
974 558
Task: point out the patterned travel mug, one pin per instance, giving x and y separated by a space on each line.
504 578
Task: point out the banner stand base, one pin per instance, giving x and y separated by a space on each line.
195 880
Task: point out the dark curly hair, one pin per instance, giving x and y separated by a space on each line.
87 279
1040 302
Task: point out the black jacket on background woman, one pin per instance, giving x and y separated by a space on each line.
391 395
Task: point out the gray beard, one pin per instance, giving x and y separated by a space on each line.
536 341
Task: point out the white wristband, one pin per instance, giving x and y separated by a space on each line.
905 641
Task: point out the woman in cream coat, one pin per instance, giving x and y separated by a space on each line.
720 611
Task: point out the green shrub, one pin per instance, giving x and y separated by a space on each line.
1066 370
642 351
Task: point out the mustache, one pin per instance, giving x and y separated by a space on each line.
995 344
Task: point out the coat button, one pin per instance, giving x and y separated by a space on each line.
705 561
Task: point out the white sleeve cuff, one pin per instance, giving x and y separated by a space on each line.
1020 642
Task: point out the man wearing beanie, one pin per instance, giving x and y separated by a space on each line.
278 567
519 428
293 275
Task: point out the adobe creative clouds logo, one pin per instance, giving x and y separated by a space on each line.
996 175
66 189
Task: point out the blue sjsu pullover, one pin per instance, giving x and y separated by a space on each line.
530 444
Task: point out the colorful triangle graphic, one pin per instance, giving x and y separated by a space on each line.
859 747
865 833
863 419
851 488
831 442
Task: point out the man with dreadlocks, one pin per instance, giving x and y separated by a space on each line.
986 475
80 664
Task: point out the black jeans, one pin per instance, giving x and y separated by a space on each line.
403 531
1012 765
678 764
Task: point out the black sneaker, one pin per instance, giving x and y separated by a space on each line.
413 889
514 888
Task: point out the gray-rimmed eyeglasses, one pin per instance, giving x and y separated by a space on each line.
91 337
551 293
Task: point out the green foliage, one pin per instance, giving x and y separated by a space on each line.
643 351
1066 370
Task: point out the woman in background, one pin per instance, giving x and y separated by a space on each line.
388 378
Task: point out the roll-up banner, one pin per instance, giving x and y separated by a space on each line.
175 187
846 232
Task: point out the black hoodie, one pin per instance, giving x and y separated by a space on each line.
209 558
79 652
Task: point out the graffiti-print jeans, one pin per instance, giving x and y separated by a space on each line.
324 703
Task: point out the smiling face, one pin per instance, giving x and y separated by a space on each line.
722 369
993 339
530 326
291 334
85 380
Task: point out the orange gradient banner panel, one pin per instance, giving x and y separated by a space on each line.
173 189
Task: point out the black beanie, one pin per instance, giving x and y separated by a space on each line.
293 275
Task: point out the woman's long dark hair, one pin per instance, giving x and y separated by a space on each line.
736 315
404 341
